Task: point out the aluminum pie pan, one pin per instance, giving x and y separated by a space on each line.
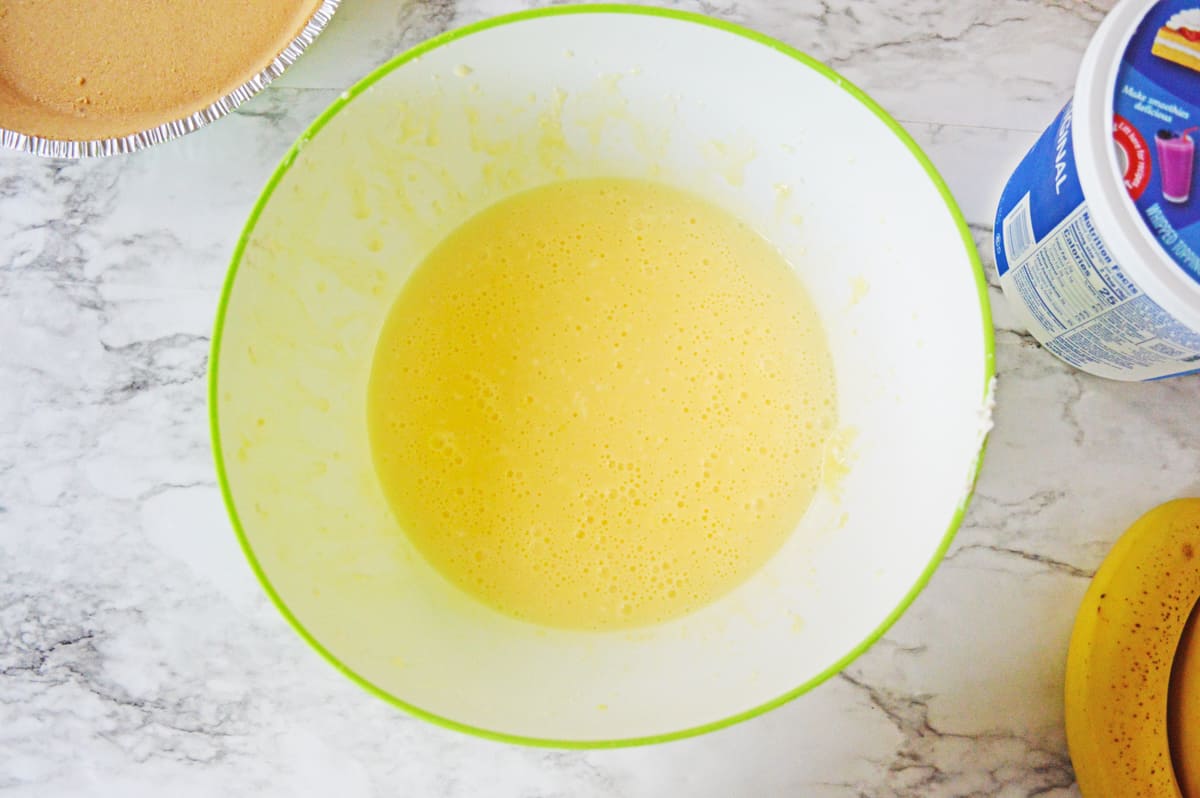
119 145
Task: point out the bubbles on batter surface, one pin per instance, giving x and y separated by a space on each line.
606 404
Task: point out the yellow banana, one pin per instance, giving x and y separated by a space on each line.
1183 710
1122 648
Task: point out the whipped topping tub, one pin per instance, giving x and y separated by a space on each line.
1098 230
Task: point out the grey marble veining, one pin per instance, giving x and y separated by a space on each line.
138 656
1007 64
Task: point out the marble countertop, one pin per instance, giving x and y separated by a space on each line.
138 656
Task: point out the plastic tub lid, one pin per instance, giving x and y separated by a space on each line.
1105 71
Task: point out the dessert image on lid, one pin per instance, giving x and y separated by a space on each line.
81 70
1179 39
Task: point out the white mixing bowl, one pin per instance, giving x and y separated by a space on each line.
466 119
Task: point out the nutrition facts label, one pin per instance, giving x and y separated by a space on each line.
1082 306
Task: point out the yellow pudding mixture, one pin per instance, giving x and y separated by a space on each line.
600 404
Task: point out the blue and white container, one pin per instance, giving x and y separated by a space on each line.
1098 230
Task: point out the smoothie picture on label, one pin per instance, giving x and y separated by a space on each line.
600 404
1176 154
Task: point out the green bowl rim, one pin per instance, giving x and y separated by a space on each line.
604 8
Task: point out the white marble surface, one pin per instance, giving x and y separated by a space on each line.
138 656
